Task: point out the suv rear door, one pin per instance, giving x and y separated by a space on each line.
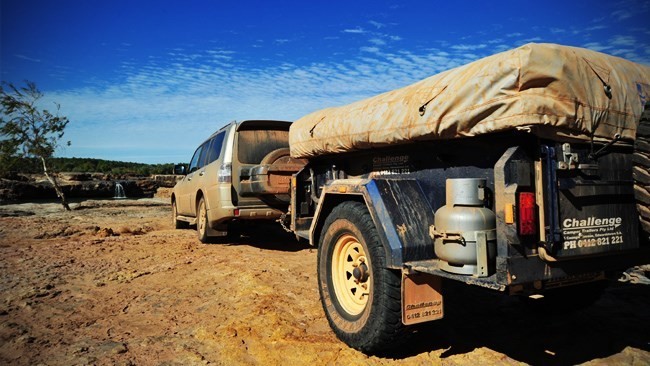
254 140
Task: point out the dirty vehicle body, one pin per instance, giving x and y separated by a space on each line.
212 194
519 181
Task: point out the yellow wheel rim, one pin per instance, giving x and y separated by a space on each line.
352 287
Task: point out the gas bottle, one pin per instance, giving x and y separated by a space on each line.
464 230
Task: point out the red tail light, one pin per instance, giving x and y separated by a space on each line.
526 210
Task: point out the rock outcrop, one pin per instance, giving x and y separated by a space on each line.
22 187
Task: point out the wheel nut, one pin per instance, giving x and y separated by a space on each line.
360 273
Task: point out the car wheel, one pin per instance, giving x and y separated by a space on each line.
178 224
202 222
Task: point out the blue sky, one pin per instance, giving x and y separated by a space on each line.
147 81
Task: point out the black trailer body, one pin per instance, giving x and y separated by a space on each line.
563 216
403 187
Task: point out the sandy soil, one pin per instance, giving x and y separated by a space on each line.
111 283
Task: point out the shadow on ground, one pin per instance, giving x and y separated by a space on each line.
475 318
271 236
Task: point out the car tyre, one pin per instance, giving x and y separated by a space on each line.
202 222
178 224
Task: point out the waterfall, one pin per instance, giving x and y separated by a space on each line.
119 191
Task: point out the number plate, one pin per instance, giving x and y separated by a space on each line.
421 298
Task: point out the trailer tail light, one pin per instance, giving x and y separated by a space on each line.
526 210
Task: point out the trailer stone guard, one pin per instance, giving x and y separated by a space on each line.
515 173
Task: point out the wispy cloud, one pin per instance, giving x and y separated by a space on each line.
596 46
622 14
220 54
197 95
468 47
23 57
357 30
596 27
370 49
623 41
377 24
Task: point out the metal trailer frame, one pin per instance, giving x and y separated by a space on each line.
400 206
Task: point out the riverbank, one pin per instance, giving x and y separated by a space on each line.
30 187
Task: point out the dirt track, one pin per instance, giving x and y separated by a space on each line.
112 283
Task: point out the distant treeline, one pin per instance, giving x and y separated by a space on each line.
86 165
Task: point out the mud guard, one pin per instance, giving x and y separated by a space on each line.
421 298
398 207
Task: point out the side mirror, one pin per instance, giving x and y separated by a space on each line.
180 169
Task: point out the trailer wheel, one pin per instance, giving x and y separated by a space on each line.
360 295
641 169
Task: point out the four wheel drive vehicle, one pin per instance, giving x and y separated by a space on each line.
212 194
515 173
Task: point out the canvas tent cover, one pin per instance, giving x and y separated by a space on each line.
550 90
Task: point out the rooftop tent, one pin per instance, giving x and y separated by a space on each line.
553 91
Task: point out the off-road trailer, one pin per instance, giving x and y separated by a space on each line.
397 201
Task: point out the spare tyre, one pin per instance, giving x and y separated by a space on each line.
281 167
269 181
275 156
641 170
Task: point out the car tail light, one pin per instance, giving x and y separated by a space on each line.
225 173
526 210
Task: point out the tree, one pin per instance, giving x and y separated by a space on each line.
27 131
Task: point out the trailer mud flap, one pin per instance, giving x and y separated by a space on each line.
421 298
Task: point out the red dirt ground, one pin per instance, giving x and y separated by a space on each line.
111 283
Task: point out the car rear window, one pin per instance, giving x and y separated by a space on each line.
215 148
254 145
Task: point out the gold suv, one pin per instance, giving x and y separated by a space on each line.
210 193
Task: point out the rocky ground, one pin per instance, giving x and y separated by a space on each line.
111 283
29 187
